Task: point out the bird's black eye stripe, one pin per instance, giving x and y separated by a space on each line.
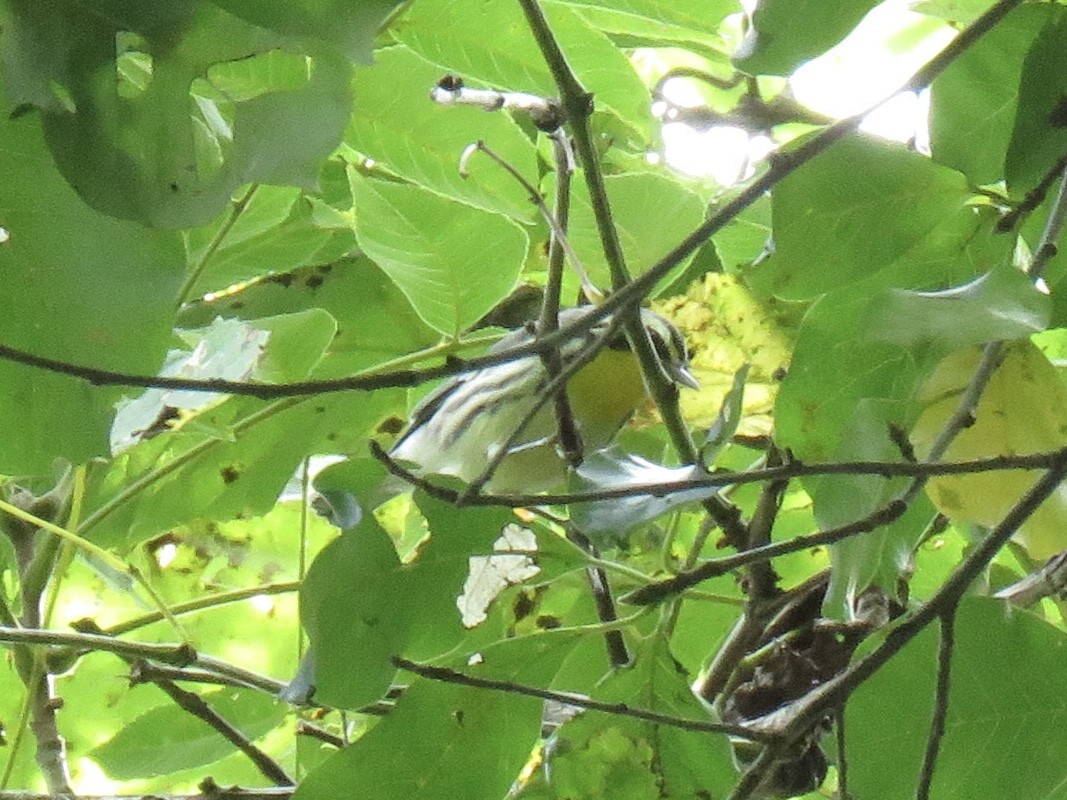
663 351
681 351
618 342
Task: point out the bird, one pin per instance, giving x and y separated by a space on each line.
460 427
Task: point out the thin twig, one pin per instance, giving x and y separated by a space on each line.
1050 236
305 728
834 692
946 644
885 469
371 380
557 222
147 672
446 675
661 590
180 655
202 604
1034 198
194 704
559 250
842 759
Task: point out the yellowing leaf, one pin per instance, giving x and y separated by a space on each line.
1022 411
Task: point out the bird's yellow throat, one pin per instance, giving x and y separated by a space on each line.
604 393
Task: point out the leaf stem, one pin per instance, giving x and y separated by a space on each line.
237 207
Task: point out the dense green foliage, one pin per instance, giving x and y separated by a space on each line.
264 192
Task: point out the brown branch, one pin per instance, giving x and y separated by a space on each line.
836 691
661 590
272 391
446 675
194 704
1034 198
796 469
842 759
305 728
946 644
179 655
147 672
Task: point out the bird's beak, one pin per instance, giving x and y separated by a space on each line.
682 376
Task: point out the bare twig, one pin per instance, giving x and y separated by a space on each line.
446 675
1034 198
946 643
194 704
305 728
544 111
659 591
842 759
834 692
1050 236
202 604
180 655
147 672
885 469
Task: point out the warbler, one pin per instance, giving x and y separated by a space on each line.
457 429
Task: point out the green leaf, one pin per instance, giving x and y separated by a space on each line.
1006 695
354 610
863 207
436 578
973 102
352 27
600 755
397 125
168 739
651 22
877 557
171 153
960 12
375 322
297 342
651 212
234 462
785 33
276 232
745 237
510 60
831 372
79 287
446 740
1002 304
274 349
1039 137
1023 409
225 349
453 262
698 16
837 361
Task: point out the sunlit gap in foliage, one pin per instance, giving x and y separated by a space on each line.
874 60
166 554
